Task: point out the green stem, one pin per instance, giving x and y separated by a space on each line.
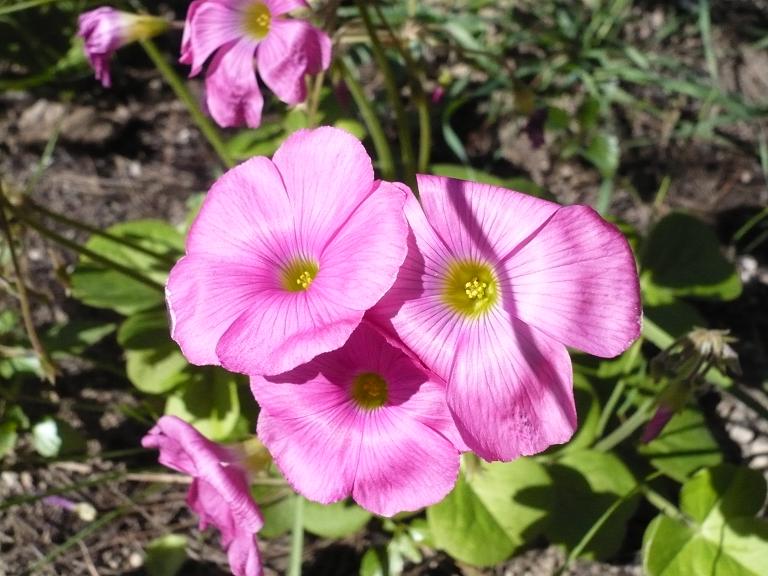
627 428
46 364
383 151
610 406
98 232
662 504
20 500
417 86
177 84
587 538
79 536
75 247
297 538
393 91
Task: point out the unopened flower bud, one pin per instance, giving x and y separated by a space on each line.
105 29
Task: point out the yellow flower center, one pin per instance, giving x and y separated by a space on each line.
256 20
369 391
298 275
470 288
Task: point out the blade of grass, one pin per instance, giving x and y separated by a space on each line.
393 93
210 131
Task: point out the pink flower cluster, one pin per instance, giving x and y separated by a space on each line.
384 336
238 36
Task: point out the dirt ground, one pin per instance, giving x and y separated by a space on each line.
133 153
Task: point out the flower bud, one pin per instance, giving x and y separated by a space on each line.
105 29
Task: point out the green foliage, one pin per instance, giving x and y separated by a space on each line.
153 361
584 485
717 532
682 257
166 555
684 446
146 247
493 510
336 520
209 401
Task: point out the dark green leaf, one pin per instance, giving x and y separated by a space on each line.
586 484
493 510
101 287
682 257
684 446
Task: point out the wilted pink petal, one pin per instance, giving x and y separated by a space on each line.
240 34
495 285
105 29
365 421
219 494
285 257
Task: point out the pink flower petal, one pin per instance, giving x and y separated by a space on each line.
310 432
511 389
396 457
232 94
576 281
209 25
403 464
292 49
327 174
219 494
370 233
480 221
413 308
245 212
206 296
284 329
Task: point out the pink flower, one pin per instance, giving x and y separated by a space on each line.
239 31
286 256
219 494
496 284
366 420
106 29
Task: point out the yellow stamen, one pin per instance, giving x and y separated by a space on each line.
299 274
475 289
369 391
257 20
304 280
470 288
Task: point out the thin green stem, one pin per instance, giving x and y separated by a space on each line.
46 364
177 85
28 203
593 530
420 96
297 538
20 500
18 7
75 247
627 428
380 143
610 406
79 536
662 504
393 92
